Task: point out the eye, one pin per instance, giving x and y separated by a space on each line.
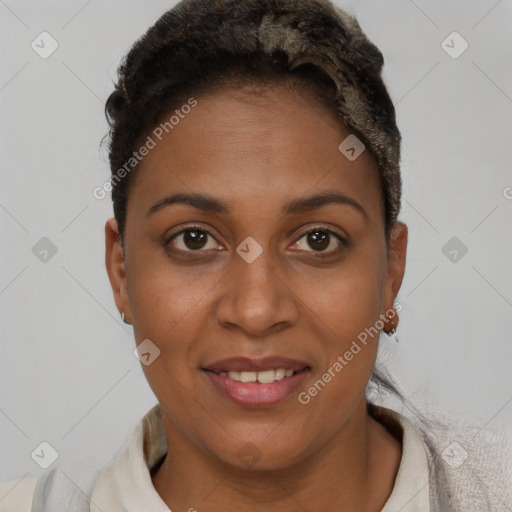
320 239
195 239
192 239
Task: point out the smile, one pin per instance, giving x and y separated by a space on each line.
257 389
264 377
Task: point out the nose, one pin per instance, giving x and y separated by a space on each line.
257 298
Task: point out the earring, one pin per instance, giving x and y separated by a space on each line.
392 334
123 319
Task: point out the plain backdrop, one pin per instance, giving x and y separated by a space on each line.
68 373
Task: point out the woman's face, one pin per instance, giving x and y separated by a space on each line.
246 280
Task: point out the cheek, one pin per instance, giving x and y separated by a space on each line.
346 300
164 296
169 307
346 308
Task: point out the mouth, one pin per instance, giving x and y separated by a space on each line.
263 377
257 383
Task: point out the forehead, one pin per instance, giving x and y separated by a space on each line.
245 147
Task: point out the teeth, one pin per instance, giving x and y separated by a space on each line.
264 377
248 376
281 374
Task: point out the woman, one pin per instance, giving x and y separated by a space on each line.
256 251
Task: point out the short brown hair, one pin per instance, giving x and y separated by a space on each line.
200 43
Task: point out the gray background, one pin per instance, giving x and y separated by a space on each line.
68 373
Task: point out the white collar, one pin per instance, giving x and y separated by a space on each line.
411 490
125 484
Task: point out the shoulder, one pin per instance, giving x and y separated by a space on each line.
55 490
469 466
17 495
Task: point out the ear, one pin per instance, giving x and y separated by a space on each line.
396 263
114 261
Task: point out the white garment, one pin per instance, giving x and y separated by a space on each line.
125 484
16 495
466 469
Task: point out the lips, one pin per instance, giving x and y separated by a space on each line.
245 364
255 394
235 378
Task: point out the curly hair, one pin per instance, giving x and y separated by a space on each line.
201 45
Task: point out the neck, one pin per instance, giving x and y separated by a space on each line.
355 470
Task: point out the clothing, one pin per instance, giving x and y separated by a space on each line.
425 481
125 485
16 495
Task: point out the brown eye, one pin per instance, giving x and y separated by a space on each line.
192 239
320 239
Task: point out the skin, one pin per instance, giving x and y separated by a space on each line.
202 306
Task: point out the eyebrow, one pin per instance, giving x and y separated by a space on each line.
210 204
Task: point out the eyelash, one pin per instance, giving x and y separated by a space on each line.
320 254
